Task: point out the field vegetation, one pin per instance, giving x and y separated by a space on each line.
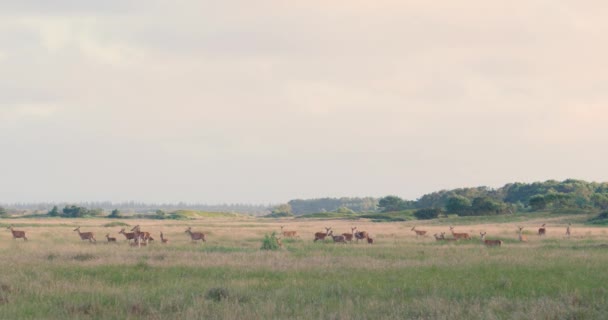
56 275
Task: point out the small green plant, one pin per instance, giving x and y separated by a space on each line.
270 242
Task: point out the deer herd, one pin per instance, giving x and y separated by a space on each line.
137 237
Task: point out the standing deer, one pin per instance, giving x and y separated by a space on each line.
321 235
17 234
340 238
542 231
110 239
195 235
418 232
568 230
490 243
370 240
163 239
86 235
129 235
360 235
289 234
143 235
458 236
522 238
349 236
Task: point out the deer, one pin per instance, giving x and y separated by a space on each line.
522 238
195 235
321 235
542 231
110 239
144 235
289 234
349 236
340 238
360 235
163 239
490 243
370 240
437 238
17 234
279 242
418 232
129 235
568 230
459 236
86 235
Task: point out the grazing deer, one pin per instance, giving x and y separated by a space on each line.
163 239
195 235
86 235
459 236
340 238
289 234
17 234
568 230
542 231
129 235
110 239
418 232
321 235
522 238
490 243
360 235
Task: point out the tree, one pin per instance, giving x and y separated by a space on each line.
429 213
115 214
538 202
458 204
283 209
487 206
74 211
54 212
391 203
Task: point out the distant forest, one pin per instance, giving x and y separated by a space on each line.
511 198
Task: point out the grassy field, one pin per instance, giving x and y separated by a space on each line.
55 275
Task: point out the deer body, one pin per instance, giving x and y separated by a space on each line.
289 233
360 235
195 235
340 238
522 238
542 231
568 230
86 235
110 239
460 235
17 234
418 232
321 235
490 243
129 235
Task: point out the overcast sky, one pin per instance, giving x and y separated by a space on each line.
267 101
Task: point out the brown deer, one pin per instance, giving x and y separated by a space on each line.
437 238
339 239
289 234
144 235
17 234
459 236
110 239
490 243
321 235
195 235
349 236
360 235
370 240
542 231
163 239
129 235
522 238
568 230
418 232
86 235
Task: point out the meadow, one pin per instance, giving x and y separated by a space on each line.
55 275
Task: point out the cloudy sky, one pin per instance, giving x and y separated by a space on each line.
267 101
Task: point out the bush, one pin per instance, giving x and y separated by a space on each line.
270 242
429 213
601 218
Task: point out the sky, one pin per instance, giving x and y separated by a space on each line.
267 101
